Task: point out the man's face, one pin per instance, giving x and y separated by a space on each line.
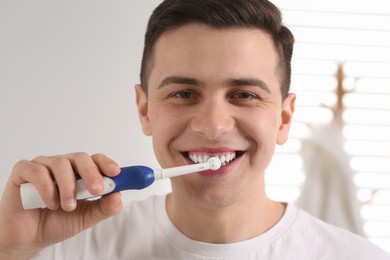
215 93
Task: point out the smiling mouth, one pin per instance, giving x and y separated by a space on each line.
199 157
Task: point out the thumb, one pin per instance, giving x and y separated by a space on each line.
103 208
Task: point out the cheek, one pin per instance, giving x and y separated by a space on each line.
166 120
167 125
261 127
261 131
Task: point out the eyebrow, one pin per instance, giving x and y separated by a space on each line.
234 82
180 80
249 82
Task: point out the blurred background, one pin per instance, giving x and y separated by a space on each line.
67 76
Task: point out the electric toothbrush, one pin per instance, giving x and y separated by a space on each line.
130 178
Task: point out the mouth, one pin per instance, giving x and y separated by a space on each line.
201 157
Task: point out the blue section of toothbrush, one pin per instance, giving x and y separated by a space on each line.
133 178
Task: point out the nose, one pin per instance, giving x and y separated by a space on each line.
213 119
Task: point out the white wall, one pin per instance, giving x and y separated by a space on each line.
67 76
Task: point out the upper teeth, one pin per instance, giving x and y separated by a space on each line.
201 158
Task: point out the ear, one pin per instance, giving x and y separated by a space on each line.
288 107
142 105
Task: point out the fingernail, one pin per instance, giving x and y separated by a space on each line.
71 203
113 166
97 185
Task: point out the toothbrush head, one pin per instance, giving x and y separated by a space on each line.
214 163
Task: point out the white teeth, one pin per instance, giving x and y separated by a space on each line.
205 158
222 159
200 159
225 158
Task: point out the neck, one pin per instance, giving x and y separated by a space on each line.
244 219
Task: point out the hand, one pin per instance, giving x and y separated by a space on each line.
25 232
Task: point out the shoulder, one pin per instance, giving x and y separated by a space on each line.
327 239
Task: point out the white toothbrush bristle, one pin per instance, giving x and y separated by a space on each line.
214 163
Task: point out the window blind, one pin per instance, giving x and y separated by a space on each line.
353 36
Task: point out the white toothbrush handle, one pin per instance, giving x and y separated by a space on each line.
31 199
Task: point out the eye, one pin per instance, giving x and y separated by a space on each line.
244 95
183 97
184 94
245 98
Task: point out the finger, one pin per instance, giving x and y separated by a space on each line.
106 165
61 170
103 208
83 164
40 176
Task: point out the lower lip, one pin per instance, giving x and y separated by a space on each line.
220 172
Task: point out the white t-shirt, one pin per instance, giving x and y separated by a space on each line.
144 231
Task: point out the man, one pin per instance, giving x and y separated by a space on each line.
214 82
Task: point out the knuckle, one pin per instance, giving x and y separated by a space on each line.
40 158
27 168
101 159
99 156
81 155
21 163
36 169
59 161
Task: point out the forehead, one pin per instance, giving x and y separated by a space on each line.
200 51
199 37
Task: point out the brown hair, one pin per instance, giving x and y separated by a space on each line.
220 14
